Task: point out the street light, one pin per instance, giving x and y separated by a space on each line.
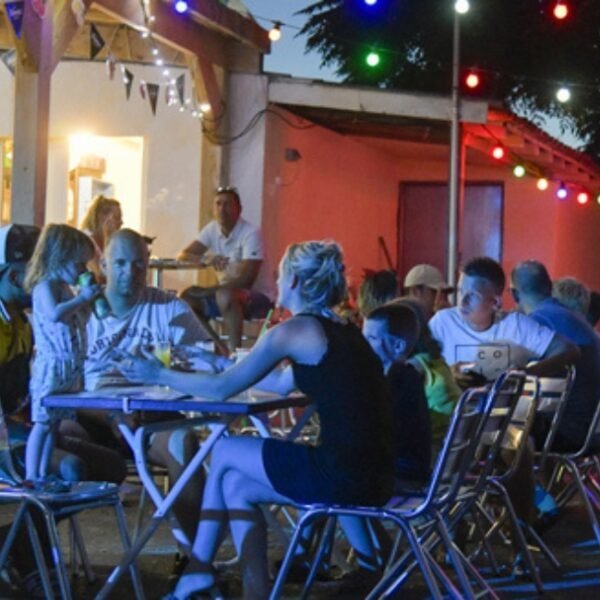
460 8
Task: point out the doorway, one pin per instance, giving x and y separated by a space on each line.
423 224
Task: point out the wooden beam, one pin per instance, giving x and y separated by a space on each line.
31 118
183 34
65 28
232 22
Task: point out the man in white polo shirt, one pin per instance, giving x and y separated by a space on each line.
234 248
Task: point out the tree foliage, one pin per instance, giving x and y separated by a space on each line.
522 52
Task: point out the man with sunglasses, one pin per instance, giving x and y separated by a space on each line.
532 291
234 248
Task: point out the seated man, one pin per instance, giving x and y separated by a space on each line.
532 290
141 317
425 284
235 250
476 324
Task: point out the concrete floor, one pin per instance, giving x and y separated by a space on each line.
570 539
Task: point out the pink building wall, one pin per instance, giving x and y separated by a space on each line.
344 189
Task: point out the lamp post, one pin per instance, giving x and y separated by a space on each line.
460 8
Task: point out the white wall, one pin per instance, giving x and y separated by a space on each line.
85 100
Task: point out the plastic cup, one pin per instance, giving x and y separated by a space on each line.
162 351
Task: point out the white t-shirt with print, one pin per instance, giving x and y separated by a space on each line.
524 338
158 316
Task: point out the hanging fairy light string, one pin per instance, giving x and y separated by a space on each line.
522 167
172 86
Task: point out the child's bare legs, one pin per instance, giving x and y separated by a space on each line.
40 443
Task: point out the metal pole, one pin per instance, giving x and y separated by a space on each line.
455 162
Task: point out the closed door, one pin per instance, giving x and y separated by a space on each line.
423 224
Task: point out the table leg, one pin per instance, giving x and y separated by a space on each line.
163 505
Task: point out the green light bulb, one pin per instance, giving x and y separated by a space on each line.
373 59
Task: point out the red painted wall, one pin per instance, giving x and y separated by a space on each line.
345 189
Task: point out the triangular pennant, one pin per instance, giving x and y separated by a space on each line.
180 83
153 90
78 10
9 58
128 81
96 42
143 89
15 11
111 63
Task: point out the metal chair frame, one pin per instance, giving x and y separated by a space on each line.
54 505
423 521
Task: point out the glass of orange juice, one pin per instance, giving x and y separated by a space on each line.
162 351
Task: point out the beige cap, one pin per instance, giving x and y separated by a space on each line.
428 276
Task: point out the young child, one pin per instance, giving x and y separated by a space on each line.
59 317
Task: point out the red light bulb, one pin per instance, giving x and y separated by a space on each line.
561 10
583 197
498 151
472 80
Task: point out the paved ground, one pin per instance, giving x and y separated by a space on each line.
570 539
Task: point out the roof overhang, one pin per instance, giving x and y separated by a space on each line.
392 120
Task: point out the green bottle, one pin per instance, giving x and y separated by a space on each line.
101 306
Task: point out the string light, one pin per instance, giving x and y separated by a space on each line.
275 32
472 80
542 184
561 192
519 171
372 59
561 10
583 197
498 151
462 6
563 95
181 6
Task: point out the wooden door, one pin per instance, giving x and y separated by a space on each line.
423 224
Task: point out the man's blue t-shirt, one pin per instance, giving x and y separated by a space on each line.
585 394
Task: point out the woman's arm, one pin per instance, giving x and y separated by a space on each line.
47 300
300 339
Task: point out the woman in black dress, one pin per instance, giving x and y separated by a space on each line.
329 361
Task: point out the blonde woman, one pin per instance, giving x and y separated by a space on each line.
101 220
330 361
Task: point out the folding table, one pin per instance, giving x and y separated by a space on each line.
215 415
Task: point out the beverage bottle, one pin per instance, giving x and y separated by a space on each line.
101 306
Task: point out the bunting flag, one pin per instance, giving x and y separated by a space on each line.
153 90
96 42
143 89
9 58
78 9
111 64
180 84
15 11
128 81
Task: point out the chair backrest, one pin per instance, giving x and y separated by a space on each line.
521 422
498 407
553 395
592 439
